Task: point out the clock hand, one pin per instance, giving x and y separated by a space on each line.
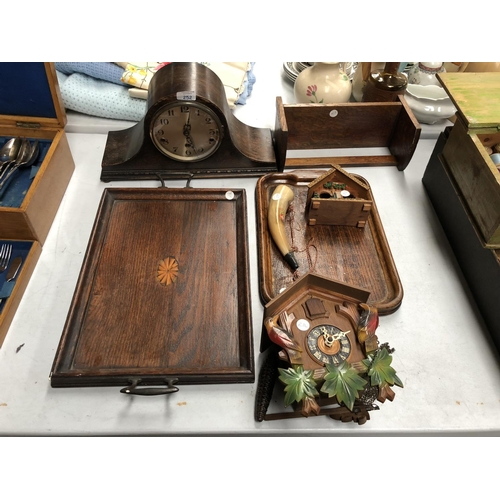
340 335
187 134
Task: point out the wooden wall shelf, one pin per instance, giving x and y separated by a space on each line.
390 125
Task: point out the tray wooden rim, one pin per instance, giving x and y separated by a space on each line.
303 177
63 375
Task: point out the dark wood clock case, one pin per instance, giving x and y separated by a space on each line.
244 151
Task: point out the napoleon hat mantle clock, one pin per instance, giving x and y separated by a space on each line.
188 131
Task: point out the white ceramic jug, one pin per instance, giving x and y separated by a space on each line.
322 83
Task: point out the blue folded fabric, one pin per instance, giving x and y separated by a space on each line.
107 71
248 86
94 97
96 89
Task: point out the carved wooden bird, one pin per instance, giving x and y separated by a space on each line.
368 324
280 336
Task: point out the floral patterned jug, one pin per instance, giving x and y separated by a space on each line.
322 83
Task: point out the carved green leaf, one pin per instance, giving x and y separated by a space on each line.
343 382
299 384
380 370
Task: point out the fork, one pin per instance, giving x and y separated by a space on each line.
5 253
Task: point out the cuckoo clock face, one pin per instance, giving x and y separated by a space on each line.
328 344
186 131
326 336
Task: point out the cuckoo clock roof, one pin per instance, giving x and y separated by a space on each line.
314 284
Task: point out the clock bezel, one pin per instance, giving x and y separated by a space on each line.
192 104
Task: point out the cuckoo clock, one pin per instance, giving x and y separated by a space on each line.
320 347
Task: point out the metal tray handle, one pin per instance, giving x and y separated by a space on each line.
150 391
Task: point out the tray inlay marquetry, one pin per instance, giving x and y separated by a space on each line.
168 269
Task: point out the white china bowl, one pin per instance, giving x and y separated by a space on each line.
429 103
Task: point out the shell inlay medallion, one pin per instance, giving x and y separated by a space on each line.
168 269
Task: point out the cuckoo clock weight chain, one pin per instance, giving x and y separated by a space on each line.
188 131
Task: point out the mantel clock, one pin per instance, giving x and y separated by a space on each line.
188 131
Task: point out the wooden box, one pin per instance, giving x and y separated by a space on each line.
338 198
389 125
163 294
30 108
11 296
477 99
480 265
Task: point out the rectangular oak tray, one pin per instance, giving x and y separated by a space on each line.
359 257
124 324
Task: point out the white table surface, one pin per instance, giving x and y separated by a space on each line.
444 354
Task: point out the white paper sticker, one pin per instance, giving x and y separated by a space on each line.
229 195
303 325
276 196
186 95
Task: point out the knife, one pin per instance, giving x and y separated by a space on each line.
14 267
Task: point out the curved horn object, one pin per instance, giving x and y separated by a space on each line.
278 206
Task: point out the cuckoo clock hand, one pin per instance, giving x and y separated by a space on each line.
340 335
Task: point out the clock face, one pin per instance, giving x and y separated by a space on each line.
186 131
328 344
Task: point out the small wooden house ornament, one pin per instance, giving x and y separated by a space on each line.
337 198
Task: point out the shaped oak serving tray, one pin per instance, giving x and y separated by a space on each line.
359 257
163 295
